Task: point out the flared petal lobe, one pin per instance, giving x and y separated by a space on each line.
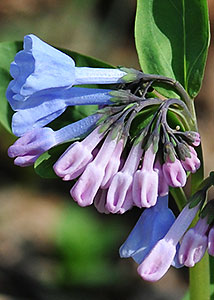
41 67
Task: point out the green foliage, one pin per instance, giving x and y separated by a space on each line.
172 38
7 52
83 245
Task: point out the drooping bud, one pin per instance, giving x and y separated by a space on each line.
174 173
163 187
121 184
194 244
191 163
145 183
90 181
191 137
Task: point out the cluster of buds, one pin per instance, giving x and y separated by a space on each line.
118 170
128 153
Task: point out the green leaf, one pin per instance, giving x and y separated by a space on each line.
172 38
44 164
7 52
187 296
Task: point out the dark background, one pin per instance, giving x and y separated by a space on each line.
49 247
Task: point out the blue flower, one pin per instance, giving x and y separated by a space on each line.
38 110
40 67
152 226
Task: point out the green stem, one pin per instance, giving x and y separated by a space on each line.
179 197
200 280
199 275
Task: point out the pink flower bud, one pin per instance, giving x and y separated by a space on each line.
192 163
194 244
174 173
145 183
163 187
74 160
197 139
113 165
100 201
121 184
88 184
211 242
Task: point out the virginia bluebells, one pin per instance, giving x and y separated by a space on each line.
128 153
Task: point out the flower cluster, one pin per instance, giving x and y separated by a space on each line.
120 159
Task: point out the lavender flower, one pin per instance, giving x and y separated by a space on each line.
191 163
74 160
163 187
35 142
113 164
90 181
145 184
119 164
194 244
119 197
211 242
174 173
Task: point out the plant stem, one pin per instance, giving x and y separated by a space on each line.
200 280
179 197
199 275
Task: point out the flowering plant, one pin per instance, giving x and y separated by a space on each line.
137 142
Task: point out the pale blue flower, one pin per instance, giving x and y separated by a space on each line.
41 67
152 226
42 108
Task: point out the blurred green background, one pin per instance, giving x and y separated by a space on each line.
49 247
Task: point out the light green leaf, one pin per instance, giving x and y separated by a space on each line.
7 52
172 38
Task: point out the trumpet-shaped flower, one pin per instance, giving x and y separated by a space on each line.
100 201
41 109
40 67
151 227
35 142
159 259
